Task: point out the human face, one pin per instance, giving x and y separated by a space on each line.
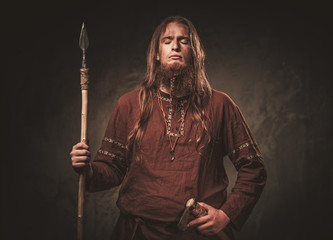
174 45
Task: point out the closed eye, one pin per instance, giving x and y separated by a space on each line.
184 41
167 40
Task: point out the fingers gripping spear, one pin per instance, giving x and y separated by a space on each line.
84 43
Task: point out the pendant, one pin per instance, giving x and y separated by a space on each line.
172 155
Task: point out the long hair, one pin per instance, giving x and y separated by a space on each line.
148 88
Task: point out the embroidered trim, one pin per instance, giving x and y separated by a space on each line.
243 161
253 156
169 120
114 142
112 155
244 145
165 99
182 102
182 113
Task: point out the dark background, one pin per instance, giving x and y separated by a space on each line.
274 60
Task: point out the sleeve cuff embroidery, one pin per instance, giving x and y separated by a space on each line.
112 155
233 155
244 145
253 156
110 140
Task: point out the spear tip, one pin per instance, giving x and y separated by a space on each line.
84 41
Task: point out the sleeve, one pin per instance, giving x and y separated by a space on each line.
243 151
109 165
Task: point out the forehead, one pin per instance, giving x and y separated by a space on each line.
175 29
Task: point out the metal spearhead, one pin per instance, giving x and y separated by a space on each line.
84 44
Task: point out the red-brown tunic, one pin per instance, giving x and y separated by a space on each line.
154 190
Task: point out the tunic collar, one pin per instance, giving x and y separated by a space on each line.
166 97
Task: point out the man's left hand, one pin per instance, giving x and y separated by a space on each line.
212 223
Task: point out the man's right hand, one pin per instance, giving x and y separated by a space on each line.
80 156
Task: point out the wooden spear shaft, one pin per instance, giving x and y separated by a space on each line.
82 176
84 43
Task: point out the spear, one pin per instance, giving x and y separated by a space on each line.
84 43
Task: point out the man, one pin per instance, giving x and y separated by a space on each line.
165 144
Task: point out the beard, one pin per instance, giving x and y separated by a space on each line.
183 78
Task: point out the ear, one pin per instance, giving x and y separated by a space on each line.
157 57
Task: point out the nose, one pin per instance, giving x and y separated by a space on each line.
175 46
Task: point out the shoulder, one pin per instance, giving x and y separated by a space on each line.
221 104
129 98
127 103
222 99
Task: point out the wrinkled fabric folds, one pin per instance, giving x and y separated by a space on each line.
156 188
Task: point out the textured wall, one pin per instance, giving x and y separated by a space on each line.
274 61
